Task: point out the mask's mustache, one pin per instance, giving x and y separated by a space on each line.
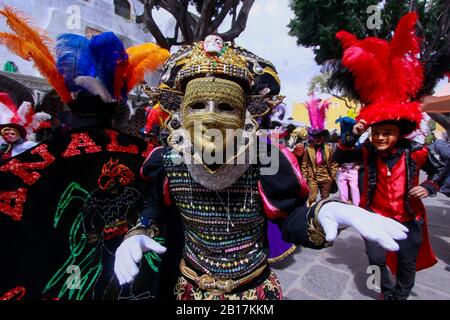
214 119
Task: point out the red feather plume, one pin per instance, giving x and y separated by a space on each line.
387 74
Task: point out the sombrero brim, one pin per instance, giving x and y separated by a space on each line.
18 127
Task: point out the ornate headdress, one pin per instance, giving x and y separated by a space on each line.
97 67
387 74
23 119
317 109
194 68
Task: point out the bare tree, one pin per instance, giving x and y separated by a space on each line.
196 26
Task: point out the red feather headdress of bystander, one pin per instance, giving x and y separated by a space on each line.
387 75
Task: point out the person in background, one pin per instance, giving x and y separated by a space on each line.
16 125
441 149
318 165
348 167
296 143
392 162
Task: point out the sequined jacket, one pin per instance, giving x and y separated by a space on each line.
225 230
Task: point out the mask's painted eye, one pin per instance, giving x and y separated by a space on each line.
198 106
225 107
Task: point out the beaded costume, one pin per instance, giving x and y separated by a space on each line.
227 208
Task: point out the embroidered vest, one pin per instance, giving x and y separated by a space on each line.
224 230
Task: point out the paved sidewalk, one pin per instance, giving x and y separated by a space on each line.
340 272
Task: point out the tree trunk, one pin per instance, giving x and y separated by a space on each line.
196 29
151 25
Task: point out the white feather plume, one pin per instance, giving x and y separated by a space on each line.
5 114
95 87
24 110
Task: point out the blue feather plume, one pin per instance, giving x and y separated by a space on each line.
73 59
108 52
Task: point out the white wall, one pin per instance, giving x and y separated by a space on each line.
74 16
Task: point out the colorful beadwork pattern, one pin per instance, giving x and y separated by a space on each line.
224 230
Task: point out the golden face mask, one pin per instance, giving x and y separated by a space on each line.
210 108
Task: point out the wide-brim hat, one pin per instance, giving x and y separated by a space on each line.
406 115
22 131
318 132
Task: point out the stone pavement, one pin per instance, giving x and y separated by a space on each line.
340 272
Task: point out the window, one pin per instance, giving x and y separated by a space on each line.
122 8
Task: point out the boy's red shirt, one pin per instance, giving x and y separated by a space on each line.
389 200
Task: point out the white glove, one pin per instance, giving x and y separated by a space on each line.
371 226
129 254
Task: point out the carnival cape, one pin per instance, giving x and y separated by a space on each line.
388 75
66 204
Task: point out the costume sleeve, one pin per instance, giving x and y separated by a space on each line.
436 171
304 164
302 227
153 171
333 164
443 149
284 196
348 153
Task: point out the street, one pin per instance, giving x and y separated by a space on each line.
340 272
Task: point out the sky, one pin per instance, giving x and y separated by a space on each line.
266 35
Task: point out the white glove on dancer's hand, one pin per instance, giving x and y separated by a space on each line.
129 254
372 226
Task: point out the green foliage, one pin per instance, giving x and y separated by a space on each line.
317 21
318 83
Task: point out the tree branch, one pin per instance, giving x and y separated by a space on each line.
413 5
205 19
151 25
228 5
340 98
241 21
180 15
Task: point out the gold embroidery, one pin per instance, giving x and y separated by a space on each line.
316 233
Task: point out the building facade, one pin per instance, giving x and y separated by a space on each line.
337 108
